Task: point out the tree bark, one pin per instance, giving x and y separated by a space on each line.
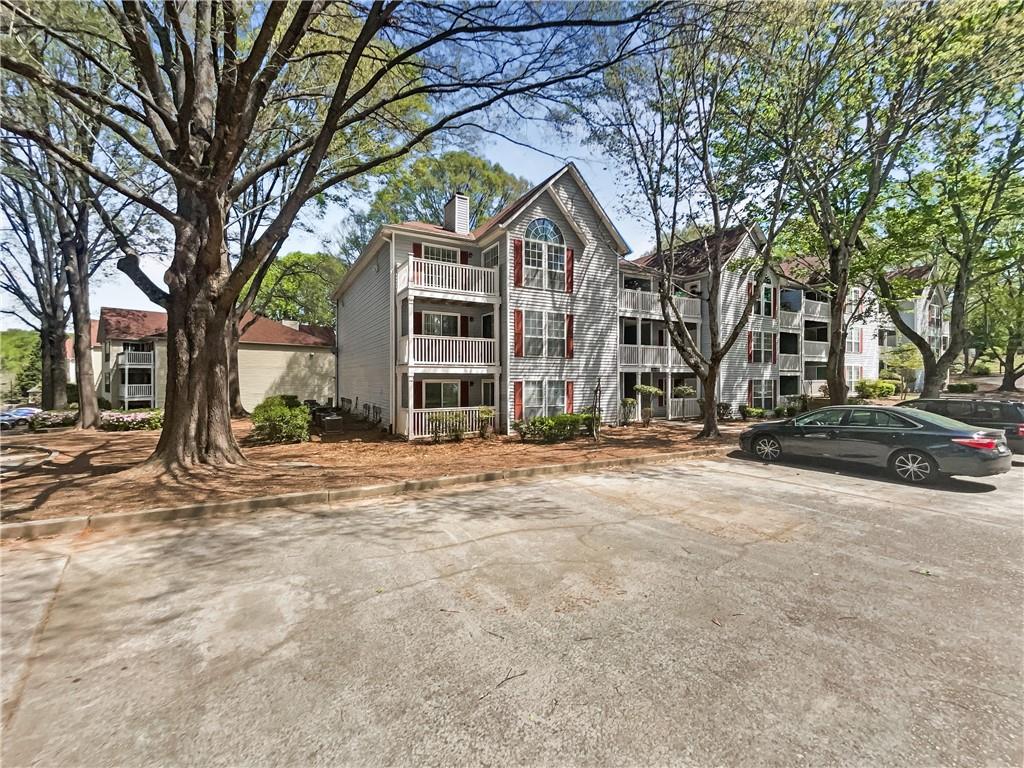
54 366
835 365
234 388
88 407
709 387
1010 372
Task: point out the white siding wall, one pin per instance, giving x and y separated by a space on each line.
270 369
593 305
364 370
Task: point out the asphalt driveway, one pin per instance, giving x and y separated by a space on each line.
714 612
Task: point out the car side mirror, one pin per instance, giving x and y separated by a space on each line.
789 422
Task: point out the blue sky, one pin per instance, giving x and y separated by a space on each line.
115 290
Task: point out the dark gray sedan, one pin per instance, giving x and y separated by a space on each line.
915 446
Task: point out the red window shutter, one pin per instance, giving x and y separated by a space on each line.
417 250
517 262
463 393
517 400
750 346
518 332
464 257
463 325
775 392
750 392
417 322
775 302
569 264
775 353
569 390
417 394
569 333
750 288
860 340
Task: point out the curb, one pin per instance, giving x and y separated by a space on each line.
125 521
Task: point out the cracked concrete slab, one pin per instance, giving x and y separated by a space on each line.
713 612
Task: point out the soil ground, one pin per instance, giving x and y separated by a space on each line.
95 472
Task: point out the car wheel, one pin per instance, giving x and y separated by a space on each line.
767 448
913 467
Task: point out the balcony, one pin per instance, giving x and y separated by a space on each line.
457 351
816 350
633 356
136 391
684 408
648 304
788 362
425 420
447 279
142 359
789 319
815 310
813 387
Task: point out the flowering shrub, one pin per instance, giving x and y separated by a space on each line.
46 419
128 421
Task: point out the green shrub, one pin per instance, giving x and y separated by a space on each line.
274 421
103 404
131 421
484 416
627 410
553 429
981 369
724 410
684 391
964 386
779 411
792 410
744 410
874 388
752 412
450 425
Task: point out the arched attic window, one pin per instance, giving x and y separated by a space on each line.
544 257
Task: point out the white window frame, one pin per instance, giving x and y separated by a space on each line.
543 273
539 339
442 382
441 253
855 342
854 373
551 319
763 393
489 257
423 329
554 391
555 277
761 346
533 406
762 301
533 274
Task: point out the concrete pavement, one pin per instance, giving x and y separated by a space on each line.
713 612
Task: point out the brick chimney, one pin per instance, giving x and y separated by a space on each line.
456 214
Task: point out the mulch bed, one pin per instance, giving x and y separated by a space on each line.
97 473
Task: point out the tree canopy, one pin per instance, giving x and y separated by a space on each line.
298 286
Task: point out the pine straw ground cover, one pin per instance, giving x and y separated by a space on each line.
95 472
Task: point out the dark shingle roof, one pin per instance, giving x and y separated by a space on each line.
691 257
134 324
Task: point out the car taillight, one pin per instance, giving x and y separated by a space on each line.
1020 430
981 443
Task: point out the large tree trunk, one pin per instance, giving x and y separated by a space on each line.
88 408
234 388
709 385
197 414
835 365
54 367
1010 372
935 372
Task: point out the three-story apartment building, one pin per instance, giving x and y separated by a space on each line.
537 312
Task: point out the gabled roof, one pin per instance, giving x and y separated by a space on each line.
691 258
135 324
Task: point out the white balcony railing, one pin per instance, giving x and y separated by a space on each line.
449 350
816 350
789 362
815 310
643 357
135 358
685 408
648 303
137 391
425 420
446 276
789 319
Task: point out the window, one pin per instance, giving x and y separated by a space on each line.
489 258
543 398
533 333
763 302
957 409
636 284
763 393
440 324
106 381
826 418
440 253
556 335
854 373
487 393
487 326
791 299
761 349
855 341
441 394
881 419
556 398
533 399
544 256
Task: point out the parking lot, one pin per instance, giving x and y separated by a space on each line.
709 612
